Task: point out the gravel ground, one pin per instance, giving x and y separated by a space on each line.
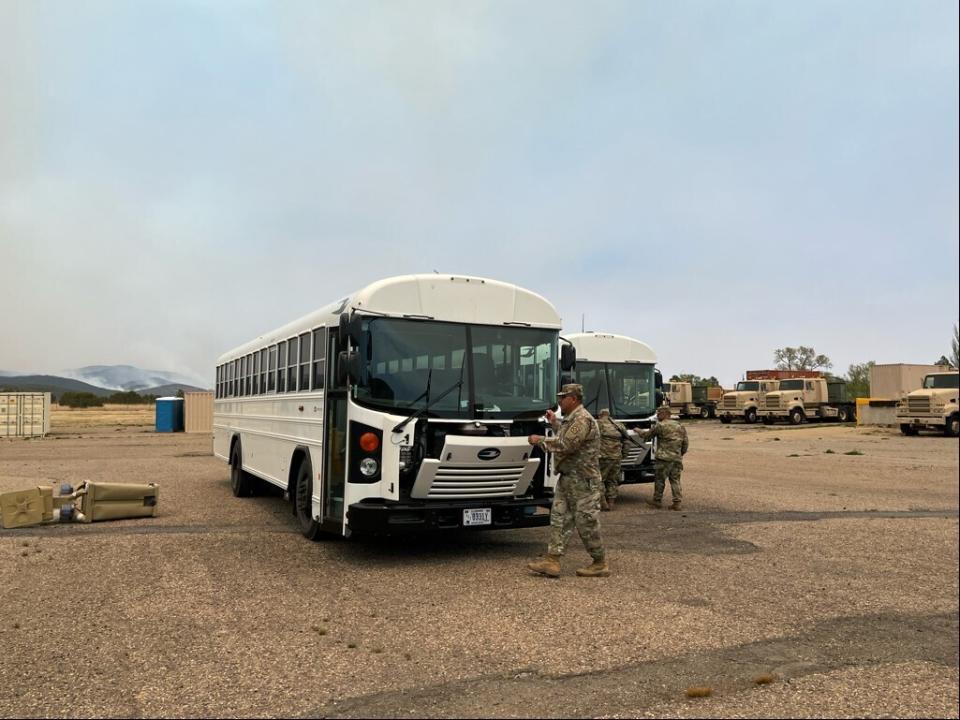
835 574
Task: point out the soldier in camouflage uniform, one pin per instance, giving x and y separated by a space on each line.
576 500
612 434
672 445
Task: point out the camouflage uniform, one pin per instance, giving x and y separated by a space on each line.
611 450
576 500
672 445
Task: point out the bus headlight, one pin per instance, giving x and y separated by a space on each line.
369 467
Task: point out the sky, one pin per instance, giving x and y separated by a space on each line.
717 179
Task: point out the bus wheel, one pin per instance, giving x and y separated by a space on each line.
304 502
240 482
952 428
796 416
750 416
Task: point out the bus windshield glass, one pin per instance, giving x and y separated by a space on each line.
747 386
941 382
627 389
502 372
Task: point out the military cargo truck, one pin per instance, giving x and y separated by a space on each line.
802 399
744 402
932 406
687 400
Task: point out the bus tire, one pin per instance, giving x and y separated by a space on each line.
750 416
952 426
303 504
796 416
240 482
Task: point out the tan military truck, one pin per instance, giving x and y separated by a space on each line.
932 406
744 402
688 400
802 399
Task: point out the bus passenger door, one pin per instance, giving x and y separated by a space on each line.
335 441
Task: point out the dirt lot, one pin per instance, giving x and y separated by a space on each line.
835 573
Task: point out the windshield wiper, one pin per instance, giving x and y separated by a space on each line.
425 393
430 403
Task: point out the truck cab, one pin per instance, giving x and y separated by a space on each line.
679 397
932 406
799 399
744 402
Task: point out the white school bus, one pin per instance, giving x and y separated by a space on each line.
619 373
406 405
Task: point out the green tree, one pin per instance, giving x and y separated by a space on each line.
80 399
858 379
800 358
695 379
130 397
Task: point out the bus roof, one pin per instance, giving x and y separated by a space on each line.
608 347
441 297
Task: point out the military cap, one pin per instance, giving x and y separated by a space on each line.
571 389
663 409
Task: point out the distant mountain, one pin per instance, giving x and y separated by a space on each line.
50 383
169 390
128 377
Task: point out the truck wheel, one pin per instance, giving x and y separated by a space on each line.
796 416
240 482
704 413
908 429
725 419
750 416
843 414
303 502
952 428
768 419
713 413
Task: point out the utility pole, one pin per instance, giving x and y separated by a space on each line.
582 321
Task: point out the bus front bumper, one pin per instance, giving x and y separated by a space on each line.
389 518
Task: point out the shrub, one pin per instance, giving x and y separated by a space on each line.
80 400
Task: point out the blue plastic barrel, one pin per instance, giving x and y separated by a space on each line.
169 414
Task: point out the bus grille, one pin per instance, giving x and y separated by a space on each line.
470 482
634 455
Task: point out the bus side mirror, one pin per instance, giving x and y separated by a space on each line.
350 328
659 397
657 380
348 367
565 379
568 357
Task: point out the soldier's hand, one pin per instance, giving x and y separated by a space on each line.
535 439
551 415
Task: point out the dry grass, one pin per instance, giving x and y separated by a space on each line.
698 692
764 679
65 418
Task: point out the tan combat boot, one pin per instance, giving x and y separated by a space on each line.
599 568
549 566
675 505
653 503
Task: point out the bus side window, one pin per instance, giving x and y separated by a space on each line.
305 361
319 346
282 366
272 374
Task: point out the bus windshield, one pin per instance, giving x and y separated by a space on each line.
945 382
627 389
502 372
747 386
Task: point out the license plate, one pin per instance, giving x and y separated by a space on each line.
477 516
